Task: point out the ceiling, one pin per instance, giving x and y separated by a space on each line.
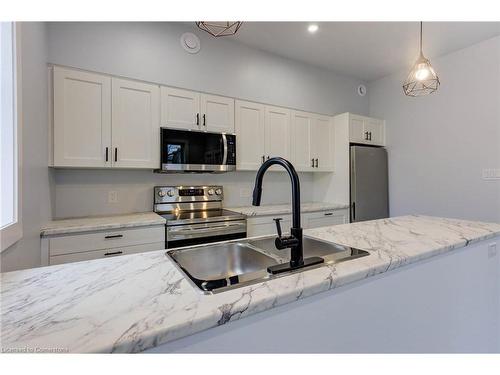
367 50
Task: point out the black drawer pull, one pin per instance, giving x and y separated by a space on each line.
328 213
113 253
114 236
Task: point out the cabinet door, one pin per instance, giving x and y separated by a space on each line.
82 119
180 109
277 134
249 128
375 129
325 218
217 113
300 140
356 129
136 124
322 144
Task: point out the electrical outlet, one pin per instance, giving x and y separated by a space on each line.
112 196
492 250
491 174
245 193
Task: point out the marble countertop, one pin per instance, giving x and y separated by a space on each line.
278 209
85 224
135 302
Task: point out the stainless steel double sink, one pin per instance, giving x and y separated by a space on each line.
218 267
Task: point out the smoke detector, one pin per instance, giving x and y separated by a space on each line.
190 42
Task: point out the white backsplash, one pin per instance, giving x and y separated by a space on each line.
86 192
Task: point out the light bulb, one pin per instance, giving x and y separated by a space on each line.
422 72
312 28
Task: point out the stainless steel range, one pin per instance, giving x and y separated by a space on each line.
195 215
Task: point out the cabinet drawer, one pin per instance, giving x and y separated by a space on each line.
105 240
325 218
265 225
105 253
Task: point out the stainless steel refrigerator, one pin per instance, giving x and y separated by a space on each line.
368 183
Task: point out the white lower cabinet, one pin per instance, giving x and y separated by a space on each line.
102 244
265 225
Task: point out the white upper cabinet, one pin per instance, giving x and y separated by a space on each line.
250 132
277 132
301 129
217 113
366 130
322 143
191 110
180 108
312 142
82 119
135 124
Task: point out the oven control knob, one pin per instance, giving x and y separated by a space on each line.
218 191
170 193
210 191
161 193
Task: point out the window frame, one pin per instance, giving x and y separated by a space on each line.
12 233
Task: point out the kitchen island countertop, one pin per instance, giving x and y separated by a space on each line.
135 302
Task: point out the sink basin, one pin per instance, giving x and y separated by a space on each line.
312 248
220 265
215 268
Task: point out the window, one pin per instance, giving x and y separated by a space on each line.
10 203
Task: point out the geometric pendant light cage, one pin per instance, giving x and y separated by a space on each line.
422 79
217 29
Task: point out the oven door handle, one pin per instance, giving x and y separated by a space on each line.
205 229
224 143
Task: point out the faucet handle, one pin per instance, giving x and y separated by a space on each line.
278 225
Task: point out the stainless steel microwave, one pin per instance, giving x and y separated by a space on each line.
197 151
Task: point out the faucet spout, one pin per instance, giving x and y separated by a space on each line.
294 241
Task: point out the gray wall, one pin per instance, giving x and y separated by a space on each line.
152 52
37 179
438 145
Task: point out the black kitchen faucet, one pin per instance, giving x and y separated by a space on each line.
294 240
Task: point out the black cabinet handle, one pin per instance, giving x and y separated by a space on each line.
267 157
116 153
204 120
312 162
328 213
370 136
197 119
317 163
114 236
263 158
366 136
113 253
107 149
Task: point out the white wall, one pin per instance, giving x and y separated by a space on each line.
37 179
439 144
152 52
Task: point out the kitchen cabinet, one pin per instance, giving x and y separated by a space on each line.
366 130
265 225
262 132
312 140
103 122
191 110
250 132
101 244
135 120
81 119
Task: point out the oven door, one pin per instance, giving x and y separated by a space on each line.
196 234
196 151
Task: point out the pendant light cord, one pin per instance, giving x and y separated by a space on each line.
421 37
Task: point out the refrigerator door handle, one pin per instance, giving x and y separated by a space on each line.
353 211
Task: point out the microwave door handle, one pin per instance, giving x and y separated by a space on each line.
224 142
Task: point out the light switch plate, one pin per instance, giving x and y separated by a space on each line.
491 174
492 250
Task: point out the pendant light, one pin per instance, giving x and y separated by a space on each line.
422 79
219 28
